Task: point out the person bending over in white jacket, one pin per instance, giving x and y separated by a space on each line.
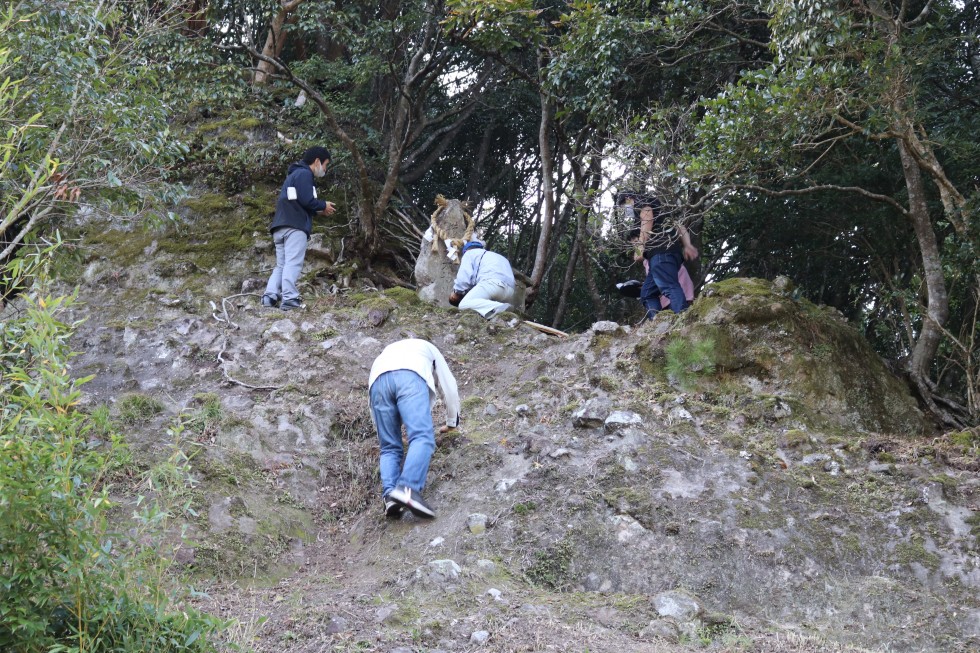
484 283
402 391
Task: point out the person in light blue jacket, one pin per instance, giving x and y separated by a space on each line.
484 283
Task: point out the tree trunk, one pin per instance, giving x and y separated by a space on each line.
275 40
597 301
547 190
476 172
937 302
566 286
196 18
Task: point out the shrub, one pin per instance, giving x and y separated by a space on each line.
67 583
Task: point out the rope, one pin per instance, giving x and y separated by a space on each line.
442 235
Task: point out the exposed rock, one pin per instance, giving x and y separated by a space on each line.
253 285
377 316
607 326
593 414
336 625
316 250
817 362
815 458
486 566
680 413
438 572
781 409
477 523
881 468
607 616
286 480
434 270
620 419
504 484
678 605
661 629
782 285
385 614
285 329
480 637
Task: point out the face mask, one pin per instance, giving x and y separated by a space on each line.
320 170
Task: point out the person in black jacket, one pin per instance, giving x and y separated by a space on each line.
291 227
665 244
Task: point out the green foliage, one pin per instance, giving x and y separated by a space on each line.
965 439
206 420
84 68
21 182
550 567
590 70
497 25
525 508
687 359
136 408
67 582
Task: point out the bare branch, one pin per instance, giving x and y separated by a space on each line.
824 187
918 20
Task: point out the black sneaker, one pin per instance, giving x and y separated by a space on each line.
412 500
290 304
270 301
393 509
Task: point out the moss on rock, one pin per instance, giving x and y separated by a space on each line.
807 356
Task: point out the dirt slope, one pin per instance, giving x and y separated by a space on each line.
641 490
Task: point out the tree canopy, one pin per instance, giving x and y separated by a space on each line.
833 142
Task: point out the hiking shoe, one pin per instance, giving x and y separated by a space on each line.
290 304
393 509
270 301
412 500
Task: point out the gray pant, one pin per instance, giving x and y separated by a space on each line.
290 254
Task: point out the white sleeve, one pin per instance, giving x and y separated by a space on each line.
447 384
464 277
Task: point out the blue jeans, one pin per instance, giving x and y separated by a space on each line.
402 397
662 280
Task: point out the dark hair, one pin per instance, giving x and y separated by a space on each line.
640 200
646 202
314 153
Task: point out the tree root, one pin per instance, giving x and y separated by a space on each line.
227 322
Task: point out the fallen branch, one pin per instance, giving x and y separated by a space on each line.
224 308
379 278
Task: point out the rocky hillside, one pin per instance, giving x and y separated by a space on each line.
745 477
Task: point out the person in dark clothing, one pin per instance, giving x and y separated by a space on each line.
665 246
291 227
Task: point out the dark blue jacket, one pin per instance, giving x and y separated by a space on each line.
297 213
